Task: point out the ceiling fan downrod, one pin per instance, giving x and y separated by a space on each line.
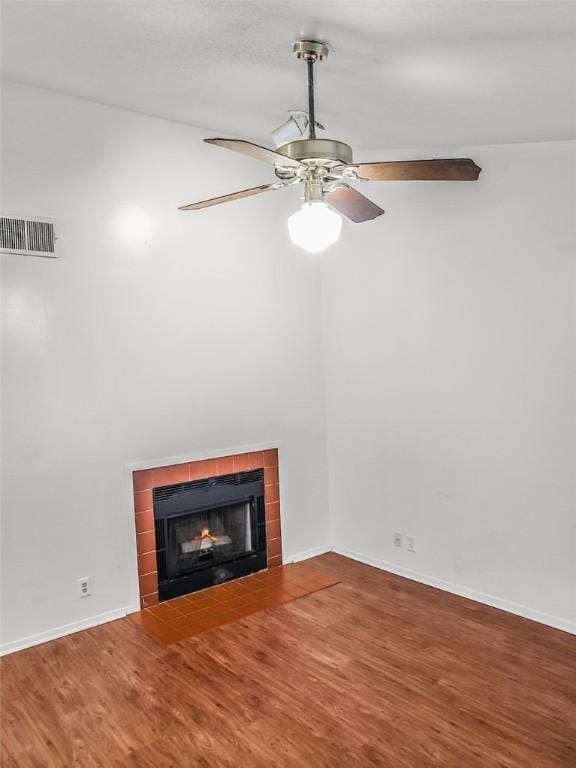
310 51
311 116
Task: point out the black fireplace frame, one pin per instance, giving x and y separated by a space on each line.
174 501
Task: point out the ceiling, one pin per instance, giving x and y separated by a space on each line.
400 74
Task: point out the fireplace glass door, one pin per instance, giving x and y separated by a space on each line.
209 531
209 537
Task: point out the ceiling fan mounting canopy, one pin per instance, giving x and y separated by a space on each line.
325 166
310 50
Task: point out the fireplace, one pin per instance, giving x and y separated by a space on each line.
185 513
209 531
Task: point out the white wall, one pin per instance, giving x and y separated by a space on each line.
157 333
449 350
449 334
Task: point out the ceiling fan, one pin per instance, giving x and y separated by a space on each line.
325 167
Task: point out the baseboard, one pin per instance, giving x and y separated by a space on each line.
456 589
431 581
308 553
103 618
62 631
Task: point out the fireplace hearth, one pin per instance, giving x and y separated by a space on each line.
209 531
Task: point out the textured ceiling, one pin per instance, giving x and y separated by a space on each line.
401 74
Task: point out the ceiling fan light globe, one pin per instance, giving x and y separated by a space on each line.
314 227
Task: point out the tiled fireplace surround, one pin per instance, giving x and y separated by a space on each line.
146 480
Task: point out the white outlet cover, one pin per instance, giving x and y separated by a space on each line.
397 539
411 542
84 587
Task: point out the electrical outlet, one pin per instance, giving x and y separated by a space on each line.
411 542
397 539
84 587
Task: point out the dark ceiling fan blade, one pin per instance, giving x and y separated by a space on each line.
451 169
256 151
232 196
353 204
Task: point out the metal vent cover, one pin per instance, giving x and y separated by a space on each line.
235 478
27 236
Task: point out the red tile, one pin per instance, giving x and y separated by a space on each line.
271 457
145 619
245 600
299 591
178 603
272 493
226 465
241 462
272 511
242 587
146 542
198 598
145 521
234 588
142 480
143 500
226 588
274 547
189 609
177 473
222 596
271 475
156 628
212 467
181 622
172 621
261 575
147 563
167 635
205 601
255 460
147 600
164 611
199 470
148 584
273 530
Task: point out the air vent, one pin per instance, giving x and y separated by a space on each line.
237 478
29 237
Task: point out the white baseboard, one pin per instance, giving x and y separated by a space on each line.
456 589
308 553
62 631
422 578
103 618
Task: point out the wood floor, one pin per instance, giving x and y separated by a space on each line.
375 671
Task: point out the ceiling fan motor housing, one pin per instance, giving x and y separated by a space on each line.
317 149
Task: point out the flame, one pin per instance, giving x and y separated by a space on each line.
205 534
